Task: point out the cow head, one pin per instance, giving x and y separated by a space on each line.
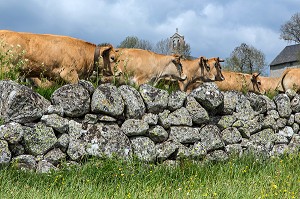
107 54
212 70
256 83
178 75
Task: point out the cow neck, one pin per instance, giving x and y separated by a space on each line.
96 56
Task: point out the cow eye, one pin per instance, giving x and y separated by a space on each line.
218 66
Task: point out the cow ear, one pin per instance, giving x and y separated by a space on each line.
203 63
104 49
254 77
202 58
176 57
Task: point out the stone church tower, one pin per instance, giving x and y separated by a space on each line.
176 42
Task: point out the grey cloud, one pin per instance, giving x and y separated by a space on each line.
211 27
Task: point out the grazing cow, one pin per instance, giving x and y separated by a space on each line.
59 57
240 82
249 82
143 66
269 84
200 70
290 79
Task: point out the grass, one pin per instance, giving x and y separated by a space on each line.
168 85
112 178
11 61
271 93
47 92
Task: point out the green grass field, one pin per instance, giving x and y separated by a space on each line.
111 178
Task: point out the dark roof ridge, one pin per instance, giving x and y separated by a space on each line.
290 53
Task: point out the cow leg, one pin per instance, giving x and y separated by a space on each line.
40 83
69 75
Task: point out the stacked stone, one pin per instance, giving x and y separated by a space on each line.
149 123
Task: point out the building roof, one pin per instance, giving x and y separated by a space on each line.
177 35
287 55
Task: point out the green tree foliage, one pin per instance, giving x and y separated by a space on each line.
184 50
290 31
135 42
162 47
246 59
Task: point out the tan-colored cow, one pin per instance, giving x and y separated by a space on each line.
200 70
240 82
290 79
143 66
269 84
59 57
249 82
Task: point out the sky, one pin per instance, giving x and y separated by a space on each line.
212 28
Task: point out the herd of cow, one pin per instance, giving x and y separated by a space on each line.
64 58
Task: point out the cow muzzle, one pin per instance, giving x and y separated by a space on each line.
118 73
182 77
219 78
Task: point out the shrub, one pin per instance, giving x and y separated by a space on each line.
11 62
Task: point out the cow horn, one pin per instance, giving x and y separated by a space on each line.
255 76
202 59
220 60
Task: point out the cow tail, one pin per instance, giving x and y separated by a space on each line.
96 58
282 85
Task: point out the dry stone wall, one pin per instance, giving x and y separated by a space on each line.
151 124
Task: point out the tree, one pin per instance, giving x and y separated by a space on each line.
290 31
246 59
129 42
135 42
185 50
144 44
163 47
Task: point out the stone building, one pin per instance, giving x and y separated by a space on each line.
176 41
289 57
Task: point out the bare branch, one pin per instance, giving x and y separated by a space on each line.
290 31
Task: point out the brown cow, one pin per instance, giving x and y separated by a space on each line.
200 70
249 82
244 82
269 84
240 82
290 79
143 66
59 57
